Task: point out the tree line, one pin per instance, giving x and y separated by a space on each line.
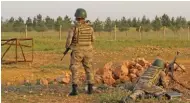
40 24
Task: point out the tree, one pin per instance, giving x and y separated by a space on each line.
98 26
175 25
129 22
29 24
134 22
143 21
188 23
11 20
19 25
183 22
145 24
124 25
66 23
4 26
115 22
58 22
49 22
34 22
108 25
165 20
138 24
156 24
40 26
9 24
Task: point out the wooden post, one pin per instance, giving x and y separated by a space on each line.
7 50
22 51
115 33
60 32
16 49
188 37
26 31
164 32
140 33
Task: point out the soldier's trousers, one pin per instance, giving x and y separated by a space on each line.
84 57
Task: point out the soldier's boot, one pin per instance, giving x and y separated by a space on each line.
74 91
90 89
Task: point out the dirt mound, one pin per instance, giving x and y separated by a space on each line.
111 74
122 71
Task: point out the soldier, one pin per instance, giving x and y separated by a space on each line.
148 83
80 40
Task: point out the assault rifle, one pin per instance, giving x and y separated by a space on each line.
64 53
171 65
171 69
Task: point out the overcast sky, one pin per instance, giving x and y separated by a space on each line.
100 9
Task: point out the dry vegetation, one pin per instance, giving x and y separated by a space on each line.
20 81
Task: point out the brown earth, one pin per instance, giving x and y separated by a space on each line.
48 65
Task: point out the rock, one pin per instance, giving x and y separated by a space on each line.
44 82
124 79
139 67
98 79
132 76
106 74
100 71
8 83
133 70
50 80
131 64
142 61
55 81
65 78
139 73
113 73
107 67
126 62
107 78
119 70
147 65
27 82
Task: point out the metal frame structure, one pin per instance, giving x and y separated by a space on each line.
16 42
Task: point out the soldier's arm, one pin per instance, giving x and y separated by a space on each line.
164 80
69 38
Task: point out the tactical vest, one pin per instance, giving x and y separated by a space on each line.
150 76
82 35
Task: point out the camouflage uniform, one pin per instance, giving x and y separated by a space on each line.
79 40
148 83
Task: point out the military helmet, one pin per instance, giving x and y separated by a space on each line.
80 13
158 63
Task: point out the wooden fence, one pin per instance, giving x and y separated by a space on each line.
16 42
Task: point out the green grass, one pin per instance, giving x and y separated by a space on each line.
50 40
113 97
